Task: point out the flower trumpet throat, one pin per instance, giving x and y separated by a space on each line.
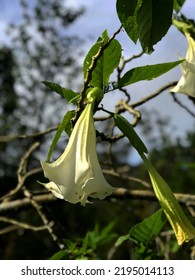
76 174
183 229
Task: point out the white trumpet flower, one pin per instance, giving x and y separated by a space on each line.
186 84
76 174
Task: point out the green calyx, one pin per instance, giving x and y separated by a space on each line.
95 94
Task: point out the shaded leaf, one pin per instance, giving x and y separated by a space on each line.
149 228
153 19
127 13
130 133
70 95
147 72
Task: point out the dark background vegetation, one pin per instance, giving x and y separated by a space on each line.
26 107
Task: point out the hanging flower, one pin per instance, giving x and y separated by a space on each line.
76 174
184 231
186 84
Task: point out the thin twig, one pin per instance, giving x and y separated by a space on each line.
22 171
22 225
48 224
8 138
110 139
182 105
26 202
8 229
153 95
122 106
187 199
130 178
127 60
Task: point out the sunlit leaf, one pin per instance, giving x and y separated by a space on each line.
147 72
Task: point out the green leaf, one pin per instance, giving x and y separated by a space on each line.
127 13
147 72
178 5
106 63
64 125
59 255
99 237
154 19
130 133
70 95
121 239
148 229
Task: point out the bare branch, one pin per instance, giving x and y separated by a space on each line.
127 60
9 138
48 224
153 95
18 224
26 202
8 229
137 180
182 105
120 193
187 199
22 170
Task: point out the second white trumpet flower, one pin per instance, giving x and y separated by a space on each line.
186 84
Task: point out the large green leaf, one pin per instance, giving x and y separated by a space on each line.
70 95
127 13
146 20
130 133
153 19
106 63
147 72
148 229
65 125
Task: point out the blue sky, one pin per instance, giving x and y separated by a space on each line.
101 15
